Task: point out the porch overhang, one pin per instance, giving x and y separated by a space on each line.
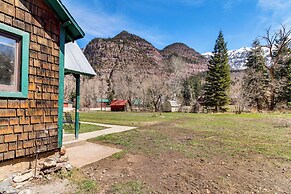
76 62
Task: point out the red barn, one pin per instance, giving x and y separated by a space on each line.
119 105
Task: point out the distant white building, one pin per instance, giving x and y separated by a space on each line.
170 106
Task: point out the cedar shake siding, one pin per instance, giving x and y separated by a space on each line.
31 124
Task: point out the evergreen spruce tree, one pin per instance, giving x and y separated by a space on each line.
197 85
218 76
285 76
186 93
256 79
288 85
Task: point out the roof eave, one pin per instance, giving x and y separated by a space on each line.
73 30
68 71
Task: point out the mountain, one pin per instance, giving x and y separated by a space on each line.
127 50
193 61
238 58
182 50
140 44
124 51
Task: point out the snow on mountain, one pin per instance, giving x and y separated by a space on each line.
238 58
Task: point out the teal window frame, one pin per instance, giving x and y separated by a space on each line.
25 38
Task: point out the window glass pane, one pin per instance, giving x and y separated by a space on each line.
7 61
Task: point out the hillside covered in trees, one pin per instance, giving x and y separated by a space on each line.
129 67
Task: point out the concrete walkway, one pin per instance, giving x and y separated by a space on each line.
70 138
89 153
82 153
111 129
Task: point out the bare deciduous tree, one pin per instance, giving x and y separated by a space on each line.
157 89
126 84
69 87
277 42
89 91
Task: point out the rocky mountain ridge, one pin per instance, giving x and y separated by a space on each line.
193 61
127 49
238 58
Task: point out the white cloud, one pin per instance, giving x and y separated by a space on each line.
279 9
147 33
96 22
275 4
229 4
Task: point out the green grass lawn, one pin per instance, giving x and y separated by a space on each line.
208 135
128 118
84 128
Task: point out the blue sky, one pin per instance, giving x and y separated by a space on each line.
193 22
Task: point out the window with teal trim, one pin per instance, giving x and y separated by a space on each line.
14 59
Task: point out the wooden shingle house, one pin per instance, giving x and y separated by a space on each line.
33 34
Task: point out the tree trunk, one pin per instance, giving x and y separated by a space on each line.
156 107
272 96
272 104
156 104
130 105
258 105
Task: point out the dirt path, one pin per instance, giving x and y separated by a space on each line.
171 173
